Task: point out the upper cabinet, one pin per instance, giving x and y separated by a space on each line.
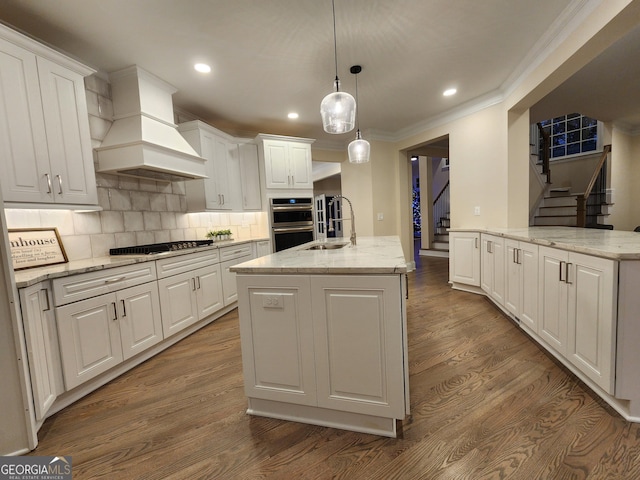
44 126
231 167
287 162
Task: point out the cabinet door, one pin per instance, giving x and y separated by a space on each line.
263 248
276 164
139 317
359 344
43 360
221 175
464 259
89 337
68 138
250 177
527 258
591 321
513 290
498 265
208 151
553 298
23 141
277 338
209 296
178 302
300 166
229 286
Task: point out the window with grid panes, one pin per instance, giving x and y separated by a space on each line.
571 134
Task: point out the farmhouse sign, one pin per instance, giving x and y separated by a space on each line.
35 247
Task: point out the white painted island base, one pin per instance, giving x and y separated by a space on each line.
325 349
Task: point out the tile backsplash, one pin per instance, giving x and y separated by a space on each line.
134 211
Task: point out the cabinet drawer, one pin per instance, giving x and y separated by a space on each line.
236 251
86 285
184 263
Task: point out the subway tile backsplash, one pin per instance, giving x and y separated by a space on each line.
134 211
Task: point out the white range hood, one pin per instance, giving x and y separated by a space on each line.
143 140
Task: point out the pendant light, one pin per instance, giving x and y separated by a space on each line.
338 109
359 149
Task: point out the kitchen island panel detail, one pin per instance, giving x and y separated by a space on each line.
358 344
277 333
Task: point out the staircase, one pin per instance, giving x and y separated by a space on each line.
560 208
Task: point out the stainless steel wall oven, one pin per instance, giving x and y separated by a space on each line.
291 222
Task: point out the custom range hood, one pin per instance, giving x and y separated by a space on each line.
143 140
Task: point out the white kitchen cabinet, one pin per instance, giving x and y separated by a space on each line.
250 176
190 289
328 341
464 258
262 248
521 287
358 344
493 267
277 338
577 311
42 347
44 126
101 332
232 255
218 190
287 162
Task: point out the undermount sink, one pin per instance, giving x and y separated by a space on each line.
326 246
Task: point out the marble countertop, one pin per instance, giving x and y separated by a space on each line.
25 278
612 244
371 255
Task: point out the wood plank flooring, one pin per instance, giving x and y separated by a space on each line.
487 403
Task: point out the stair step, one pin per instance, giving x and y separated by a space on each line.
561 201
560 191
562 221
440 246
558 211
441 237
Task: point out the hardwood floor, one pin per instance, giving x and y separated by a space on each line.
487 403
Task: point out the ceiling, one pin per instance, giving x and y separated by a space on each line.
273 57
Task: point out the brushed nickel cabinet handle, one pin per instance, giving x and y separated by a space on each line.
59 177
124 309
566 274
49 188
562 264
115 311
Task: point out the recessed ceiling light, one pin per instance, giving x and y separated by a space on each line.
202 67
450 91
293 115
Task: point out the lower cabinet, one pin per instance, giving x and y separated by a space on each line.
521 286
42 347
189 297
329 341
464 258
98 333
578 296
492 272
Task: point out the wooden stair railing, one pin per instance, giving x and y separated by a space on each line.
581 218
545 152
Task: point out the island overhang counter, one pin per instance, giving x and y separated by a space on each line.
324 335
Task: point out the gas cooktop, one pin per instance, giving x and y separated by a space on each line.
159 247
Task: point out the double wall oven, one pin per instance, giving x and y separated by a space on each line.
291 222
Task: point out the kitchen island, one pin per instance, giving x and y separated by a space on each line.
324 336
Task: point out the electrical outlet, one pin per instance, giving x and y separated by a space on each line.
380 216
272 301
476 210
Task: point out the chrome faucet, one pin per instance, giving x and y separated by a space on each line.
352 237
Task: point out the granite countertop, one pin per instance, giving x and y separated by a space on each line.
371 255
25 278
612 244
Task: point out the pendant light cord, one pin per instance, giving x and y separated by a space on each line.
357 115
335 43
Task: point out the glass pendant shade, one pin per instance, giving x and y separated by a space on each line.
359 150
338 111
